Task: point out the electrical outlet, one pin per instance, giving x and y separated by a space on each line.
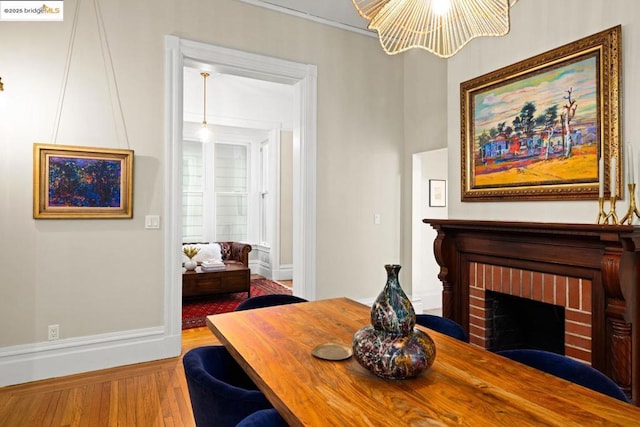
54 332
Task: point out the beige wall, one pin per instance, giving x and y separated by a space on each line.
538 26
425 127
106 276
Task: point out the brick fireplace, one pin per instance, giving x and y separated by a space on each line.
574 294
591 271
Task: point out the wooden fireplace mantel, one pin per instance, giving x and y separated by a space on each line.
607 255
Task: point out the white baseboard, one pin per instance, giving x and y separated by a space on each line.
416 302
33 362
285 272
50 359
431 301
261 268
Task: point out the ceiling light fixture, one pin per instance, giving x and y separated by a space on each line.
442 27
204 133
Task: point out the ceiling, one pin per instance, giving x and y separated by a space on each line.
338 13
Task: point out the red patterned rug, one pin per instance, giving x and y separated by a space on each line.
194 311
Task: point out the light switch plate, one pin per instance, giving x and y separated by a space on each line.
152 222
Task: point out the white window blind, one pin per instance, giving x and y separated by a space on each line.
231 186
217 192
192 192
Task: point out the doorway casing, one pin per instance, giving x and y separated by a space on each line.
181 52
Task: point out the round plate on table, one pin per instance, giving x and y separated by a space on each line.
332 351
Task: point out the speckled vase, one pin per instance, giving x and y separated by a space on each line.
391 347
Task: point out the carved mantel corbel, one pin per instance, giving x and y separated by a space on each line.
618 330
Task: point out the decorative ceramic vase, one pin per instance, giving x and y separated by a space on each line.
391 347
190 264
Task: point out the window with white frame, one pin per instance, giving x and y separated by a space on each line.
215 192
231 186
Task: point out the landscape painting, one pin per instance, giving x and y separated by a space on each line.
537 129
80 182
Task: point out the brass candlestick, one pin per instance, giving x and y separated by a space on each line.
610 217
633 209
612 213
602 215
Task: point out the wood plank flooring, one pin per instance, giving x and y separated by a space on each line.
146 394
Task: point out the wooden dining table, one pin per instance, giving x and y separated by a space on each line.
467 385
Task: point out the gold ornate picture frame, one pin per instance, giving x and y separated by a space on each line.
71 182
535 130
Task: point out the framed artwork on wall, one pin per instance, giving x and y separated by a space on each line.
71 182
537 129
437 192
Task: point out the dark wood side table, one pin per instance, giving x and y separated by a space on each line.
234 278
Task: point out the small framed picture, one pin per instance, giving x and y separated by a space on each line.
437 192
82 182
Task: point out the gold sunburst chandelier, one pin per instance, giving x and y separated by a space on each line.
442 27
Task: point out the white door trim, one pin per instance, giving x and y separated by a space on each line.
181 52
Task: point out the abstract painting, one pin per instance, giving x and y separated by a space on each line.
82 182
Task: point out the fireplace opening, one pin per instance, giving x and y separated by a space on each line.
524 323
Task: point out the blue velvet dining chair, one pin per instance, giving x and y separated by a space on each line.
264 418
221 393
442 325
268 301
568 369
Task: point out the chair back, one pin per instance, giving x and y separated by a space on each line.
568 369
268 301
221 393
442 325
264 418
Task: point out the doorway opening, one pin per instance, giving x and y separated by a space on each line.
238 176
183 53
427 288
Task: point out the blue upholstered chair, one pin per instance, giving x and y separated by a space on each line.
221 393
567 368
442 325
264 418
268 301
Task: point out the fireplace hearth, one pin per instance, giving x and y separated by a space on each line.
591 272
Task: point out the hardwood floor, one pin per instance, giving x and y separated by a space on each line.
147 394
287 283
143 395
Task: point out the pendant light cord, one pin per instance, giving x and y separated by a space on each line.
204 110
114 93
